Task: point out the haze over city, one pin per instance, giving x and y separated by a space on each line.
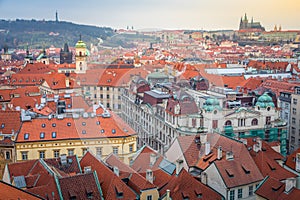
168 14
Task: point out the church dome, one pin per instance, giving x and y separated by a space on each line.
211 104
265 101
80 44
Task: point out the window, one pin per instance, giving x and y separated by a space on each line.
293 120
43 125
24 155
7 155
70 152
241 122
53 125
102 130
56 153
232 194
107 105
98 122
250 190
84 150
42 154
215 124
42 135
95 95
131 148
83 123
113 131
101 88
53 134
107 88
101 96
149 197
115 150
240 193
295 101
228 123
107 96
26 136
268 120
68 124
294 111
99 152
83 131
254 122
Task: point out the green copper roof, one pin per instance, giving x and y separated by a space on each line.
265 101
80 44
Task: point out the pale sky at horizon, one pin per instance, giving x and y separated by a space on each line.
164 14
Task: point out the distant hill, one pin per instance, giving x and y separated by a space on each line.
38 34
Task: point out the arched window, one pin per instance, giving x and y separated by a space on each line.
254 122
228 123
80 53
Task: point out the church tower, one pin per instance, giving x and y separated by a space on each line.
81 57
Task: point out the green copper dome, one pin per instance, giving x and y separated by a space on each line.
80 44
265 101
211 104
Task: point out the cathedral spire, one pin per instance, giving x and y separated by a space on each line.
245 17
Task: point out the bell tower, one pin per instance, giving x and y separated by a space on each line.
81 57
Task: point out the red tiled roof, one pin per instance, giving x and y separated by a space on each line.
70 128
81 186
185 186
136 181
58 81
12 192
109 182
251 83
272 188
291 159
10 121
37 68
142 163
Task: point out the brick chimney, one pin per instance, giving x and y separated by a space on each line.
152 159
207 148
179 166
219 153
149 175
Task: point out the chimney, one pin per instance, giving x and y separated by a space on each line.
149 175
152 159
116 171
219 153
168 195
203 138
259 143
229 155
289 184
204 178
67 82
297 168
179 166
207 148
63 159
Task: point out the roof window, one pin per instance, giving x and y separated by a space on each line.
26 136
2 125
42 135
113 131
53 134
53 125
43 125
69 124
102 130
83 131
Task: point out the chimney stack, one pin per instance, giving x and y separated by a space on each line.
179 166
289 184
207 148
203 138
149 175
219 153
152 159
67 82
116 171
168 195
297 168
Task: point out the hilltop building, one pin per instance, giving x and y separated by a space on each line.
245 24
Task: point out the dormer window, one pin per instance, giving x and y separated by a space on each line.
113 131
42 135
53 125
43 125
102 130
26 136
83 131
69 124
83 123
53 134
2 125
98 122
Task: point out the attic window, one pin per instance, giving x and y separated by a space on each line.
113 131
33 80
53 125
198 193
83 131
43 125
2 125
246 170
102 130
42 135
69 124
83 123
119 192
185 195
89 193
26 136
229 173
53 134
98 122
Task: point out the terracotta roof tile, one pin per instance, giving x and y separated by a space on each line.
12 192
109 182
291 159
10 121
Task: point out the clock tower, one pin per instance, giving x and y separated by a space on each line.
81 57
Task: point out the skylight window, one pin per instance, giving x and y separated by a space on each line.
53 134
113 131
42 135
26 136
2 125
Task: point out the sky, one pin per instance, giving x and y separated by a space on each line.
161 14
